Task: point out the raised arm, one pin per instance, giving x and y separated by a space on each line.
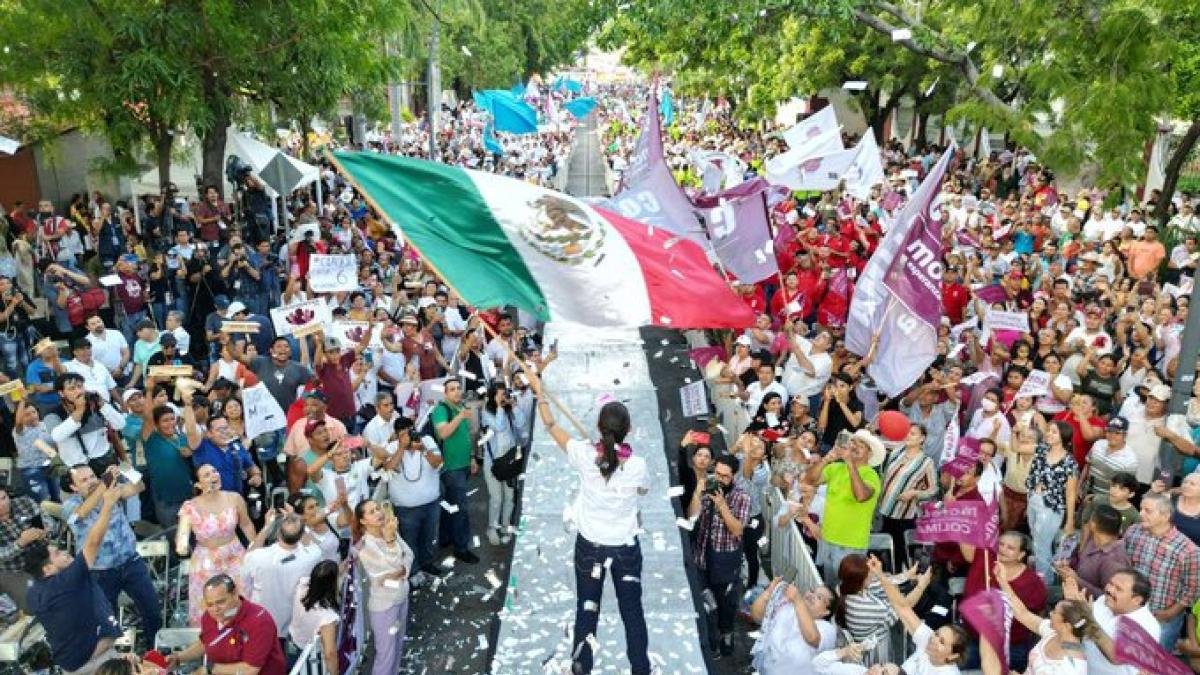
903 611
560 435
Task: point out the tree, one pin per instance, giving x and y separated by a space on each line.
1078 81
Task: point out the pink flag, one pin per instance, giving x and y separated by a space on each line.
992 294
987 613
1136 648
966 455
705 354
967 521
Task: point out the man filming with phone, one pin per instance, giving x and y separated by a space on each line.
118 566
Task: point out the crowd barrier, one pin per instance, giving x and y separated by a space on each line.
310 661
790 558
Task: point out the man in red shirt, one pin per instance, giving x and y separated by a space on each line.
955 296
236 635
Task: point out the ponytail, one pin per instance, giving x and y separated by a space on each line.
608 455
613 424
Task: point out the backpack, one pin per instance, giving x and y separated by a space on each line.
84 303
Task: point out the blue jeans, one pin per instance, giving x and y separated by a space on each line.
456 527
129 325
626 570
1169 635
133 577
40 486
419 528
159 310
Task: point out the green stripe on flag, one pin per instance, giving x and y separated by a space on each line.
439 210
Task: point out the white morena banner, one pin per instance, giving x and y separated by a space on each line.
263 413
1018 321
301 318
333 273
1037 383
351 333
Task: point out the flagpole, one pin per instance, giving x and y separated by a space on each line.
373 204
987 570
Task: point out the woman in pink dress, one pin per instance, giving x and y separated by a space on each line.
213 516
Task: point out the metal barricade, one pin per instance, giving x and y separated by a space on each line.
789 555
310 661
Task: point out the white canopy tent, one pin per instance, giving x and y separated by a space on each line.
279 172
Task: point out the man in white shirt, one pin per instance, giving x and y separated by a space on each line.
807 370
271 574
342 477
96 378
174 326
1126 594
752 396
1149 424
109 347
495 349
414 488
378 431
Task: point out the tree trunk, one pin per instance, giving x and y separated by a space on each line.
879 118
922 128
212 150
162 155
1174 166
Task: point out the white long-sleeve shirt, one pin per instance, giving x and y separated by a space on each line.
78 443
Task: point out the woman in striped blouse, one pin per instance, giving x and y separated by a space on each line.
909 478
863 609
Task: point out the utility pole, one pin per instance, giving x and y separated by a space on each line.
1185 379
435 87
394 99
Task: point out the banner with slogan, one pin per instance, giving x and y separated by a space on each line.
333 273
263 413
898 296
1037 383
1018 321
966 521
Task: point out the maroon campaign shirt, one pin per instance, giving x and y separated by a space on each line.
250 637
335 380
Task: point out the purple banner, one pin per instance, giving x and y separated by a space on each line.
648 192
741 238
899 295
987 613
992 294
703 355
1136 648
967 521
965 457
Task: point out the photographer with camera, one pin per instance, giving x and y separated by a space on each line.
241 274
80 424
118 566
165 217
721 510
255 202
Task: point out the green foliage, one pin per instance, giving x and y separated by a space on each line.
1082 82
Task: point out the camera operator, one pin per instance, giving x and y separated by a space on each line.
243 277
166 216
724 513
212 216
256 204
79 425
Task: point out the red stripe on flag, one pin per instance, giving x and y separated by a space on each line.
685 291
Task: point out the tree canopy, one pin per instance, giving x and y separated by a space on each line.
1081 82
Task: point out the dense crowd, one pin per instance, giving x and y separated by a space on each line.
1091 482
141 357
148 350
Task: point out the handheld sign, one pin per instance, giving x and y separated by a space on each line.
299 318
239 327
170 371
333 273
262 411
14 389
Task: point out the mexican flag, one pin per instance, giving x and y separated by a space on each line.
500 241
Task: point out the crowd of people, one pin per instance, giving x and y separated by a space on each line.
1090 479
132 416
133 345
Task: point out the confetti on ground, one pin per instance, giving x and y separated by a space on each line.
450 508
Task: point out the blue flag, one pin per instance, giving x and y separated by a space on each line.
573 86
510 114
490 142
580 107
667 107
